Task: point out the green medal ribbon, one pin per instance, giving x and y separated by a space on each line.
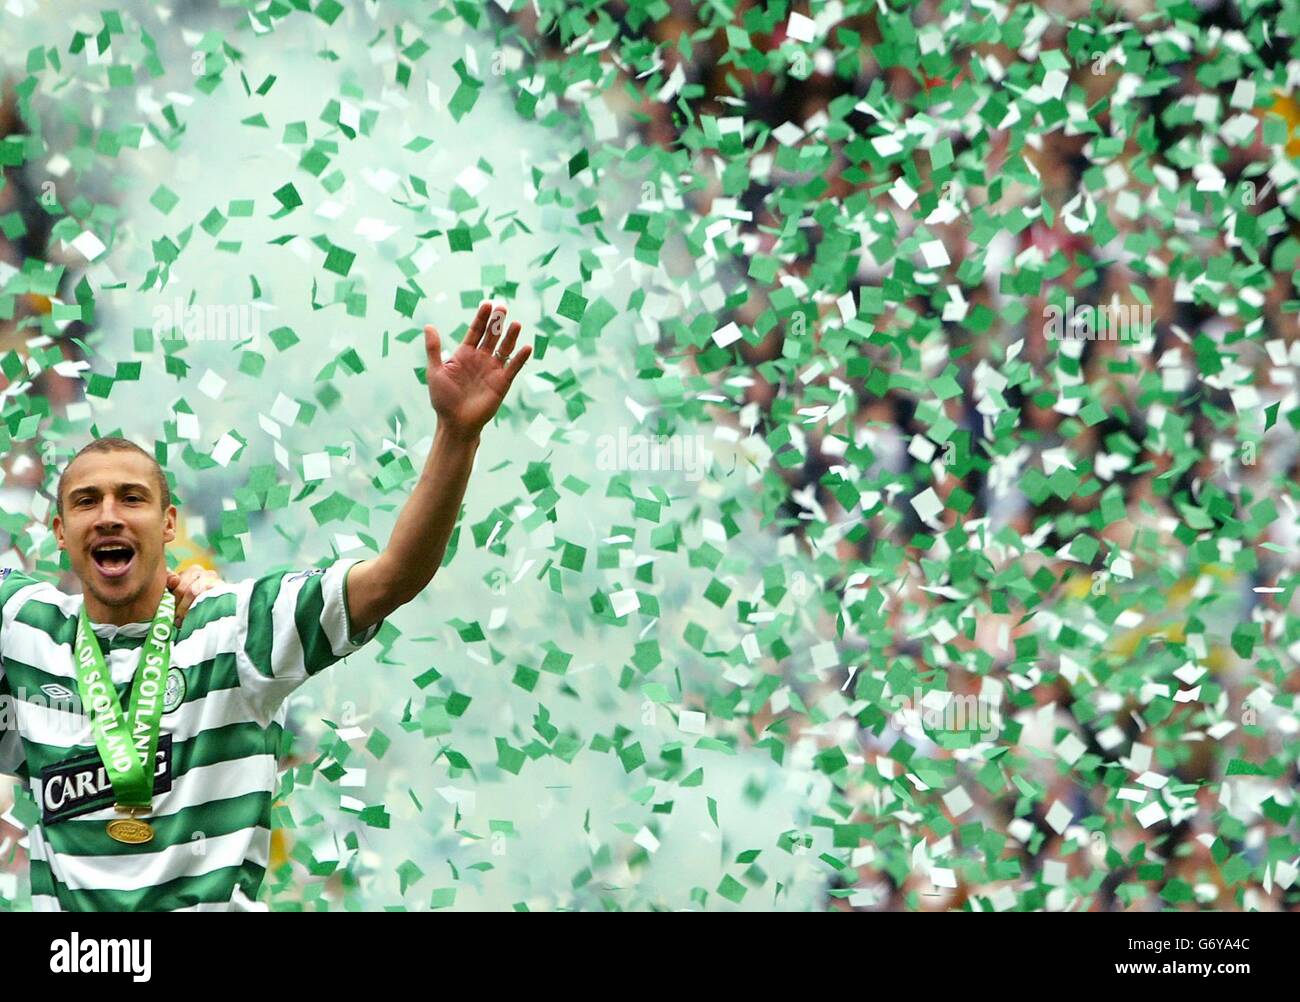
127 742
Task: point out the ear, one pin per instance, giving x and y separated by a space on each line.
169 524
58 530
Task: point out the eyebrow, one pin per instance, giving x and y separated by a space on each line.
121 488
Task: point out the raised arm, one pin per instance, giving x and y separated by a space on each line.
465 392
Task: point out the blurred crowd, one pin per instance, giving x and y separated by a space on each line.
1173 432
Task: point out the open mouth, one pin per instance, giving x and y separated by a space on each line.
113 559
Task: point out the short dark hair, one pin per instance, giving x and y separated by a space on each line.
112 443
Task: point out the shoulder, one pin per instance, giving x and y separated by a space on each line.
254 596
33 602
329 574
285 586
219 602
14 580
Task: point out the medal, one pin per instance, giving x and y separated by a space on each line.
127 742
130 830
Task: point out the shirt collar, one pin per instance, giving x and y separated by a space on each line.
107 631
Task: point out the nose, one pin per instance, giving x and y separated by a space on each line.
107 517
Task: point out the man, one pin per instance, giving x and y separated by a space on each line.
155 793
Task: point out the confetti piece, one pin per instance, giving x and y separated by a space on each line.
725 335
800 27
88 245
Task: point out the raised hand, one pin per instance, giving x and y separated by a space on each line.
467 389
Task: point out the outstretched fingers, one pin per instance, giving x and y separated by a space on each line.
479 324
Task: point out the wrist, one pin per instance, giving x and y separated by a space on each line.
455 434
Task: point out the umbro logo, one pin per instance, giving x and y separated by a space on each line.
56 691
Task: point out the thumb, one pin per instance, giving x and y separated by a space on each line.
433 346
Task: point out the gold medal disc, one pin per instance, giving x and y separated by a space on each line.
132 831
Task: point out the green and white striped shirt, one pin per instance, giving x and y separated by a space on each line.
242 649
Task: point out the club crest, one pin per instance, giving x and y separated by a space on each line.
174 695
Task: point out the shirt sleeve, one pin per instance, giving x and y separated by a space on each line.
293 624
13 760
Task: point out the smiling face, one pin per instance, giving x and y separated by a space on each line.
116 531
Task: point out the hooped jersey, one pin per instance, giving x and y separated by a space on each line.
241 650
